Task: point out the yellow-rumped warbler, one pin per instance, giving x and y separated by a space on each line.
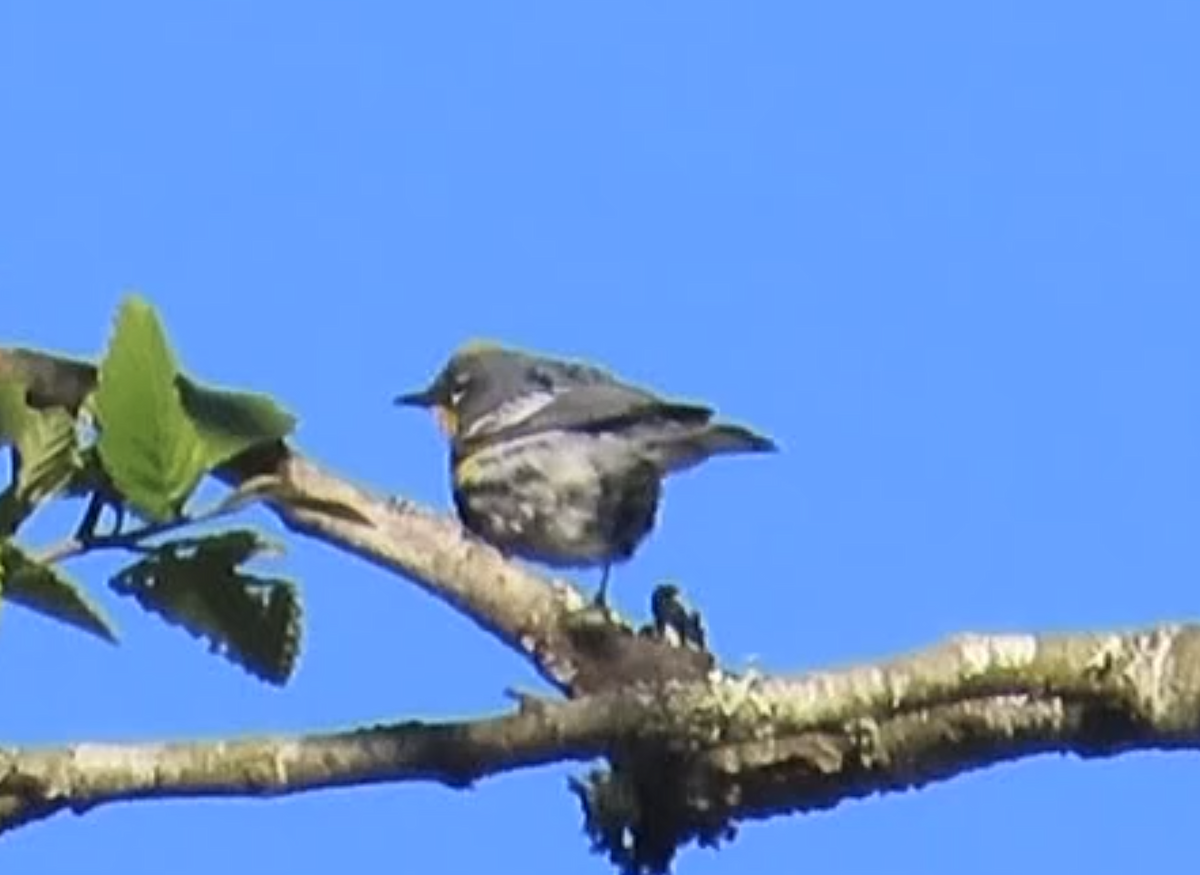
559 462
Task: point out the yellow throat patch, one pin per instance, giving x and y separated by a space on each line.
447 420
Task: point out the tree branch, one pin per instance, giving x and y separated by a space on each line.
35 783
709 752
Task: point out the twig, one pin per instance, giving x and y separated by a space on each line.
81 544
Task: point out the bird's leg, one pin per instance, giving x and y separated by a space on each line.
601 599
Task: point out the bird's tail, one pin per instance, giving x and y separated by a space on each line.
685 449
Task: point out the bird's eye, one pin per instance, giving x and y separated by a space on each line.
459 388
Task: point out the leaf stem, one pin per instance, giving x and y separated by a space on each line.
84 541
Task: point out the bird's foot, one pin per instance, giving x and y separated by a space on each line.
600 599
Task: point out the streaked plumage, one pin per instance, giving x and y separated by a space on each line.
560 462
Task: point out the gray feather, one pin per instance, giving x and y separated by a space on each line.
599 406
687 447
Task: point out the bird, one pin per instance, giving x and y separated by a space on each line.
560 462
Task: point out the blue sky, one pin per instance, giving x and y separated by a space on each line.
945 253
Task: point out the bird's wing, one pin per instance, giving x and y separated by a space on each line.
590 407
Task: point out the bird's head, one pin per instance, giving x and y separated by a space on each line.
479 378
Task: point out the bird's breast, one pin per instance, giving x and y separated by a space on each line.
554 497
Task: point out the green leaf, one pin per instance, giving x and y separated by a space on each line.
49 454
13 410
46 454
52 380
195 583
148 444
229 422
48 591
13 413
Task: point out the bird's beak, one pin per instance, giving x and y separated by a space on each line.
430 399
421 398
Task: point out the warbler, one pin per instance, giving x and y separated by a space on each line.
560 462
